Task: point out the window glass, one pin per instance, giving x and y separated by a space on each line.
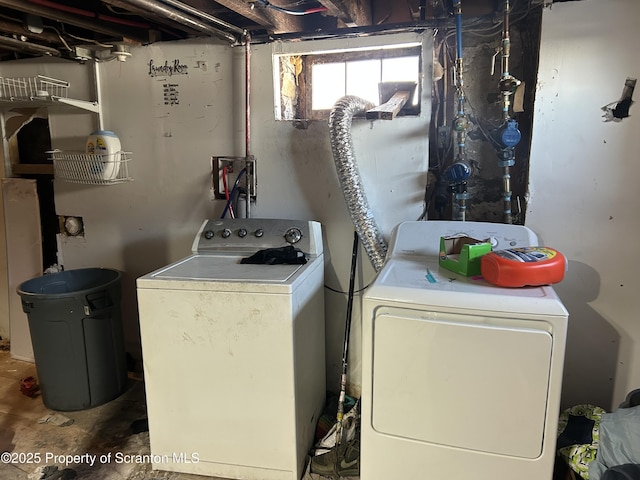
363 78
328 80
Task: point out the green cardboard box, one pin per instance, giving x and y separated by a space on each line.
461 254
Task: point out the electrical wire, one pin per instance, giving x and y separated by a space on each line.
225 172
64 42
103 45
335 290
233 191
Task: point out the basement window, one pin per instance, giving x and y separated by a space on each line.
307 86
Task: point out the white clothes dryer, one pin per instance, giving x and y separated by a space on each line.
234 354
461 379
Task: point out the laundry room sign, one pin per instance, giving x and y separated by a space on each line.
167 68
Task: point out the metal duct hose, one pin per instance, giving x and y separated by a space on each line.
340 135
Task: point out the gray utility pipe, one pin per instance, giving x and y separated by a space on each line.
205 16
181 17
340 121
20 46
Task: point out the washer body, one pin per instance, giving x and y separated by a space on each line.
461 379
234 354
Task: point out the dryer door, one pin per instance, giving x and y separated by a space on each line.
463 381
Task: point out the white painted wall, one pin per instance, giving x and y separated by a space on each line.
392 157
142 225
583 186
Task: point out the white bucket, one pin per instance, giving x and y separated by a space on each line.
106 144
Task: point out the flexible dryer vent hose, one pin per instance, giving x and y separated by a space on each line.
340 121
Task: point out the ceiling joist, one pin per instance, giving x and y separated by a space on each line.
351 12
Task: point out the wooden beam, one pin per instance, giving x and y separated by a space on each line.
351 12
269 18
389 110
258 15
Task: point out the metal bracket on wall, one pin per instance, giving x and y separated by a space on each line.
234 168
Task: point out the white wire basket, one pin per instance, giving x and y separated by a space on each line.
32 88
91 169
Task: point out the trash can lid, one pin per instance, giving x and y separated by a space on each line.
69 282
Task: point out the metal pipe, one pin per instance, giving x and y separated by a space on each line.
461 122
162 22
205 16
183 18
247 119
20 46
506 180
340 121
98 85
457 5
459 171
506 87
506 53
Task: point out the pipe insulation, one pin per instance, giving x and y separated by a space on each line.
340 121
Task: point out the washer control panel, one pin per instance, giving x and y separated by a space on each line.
244 235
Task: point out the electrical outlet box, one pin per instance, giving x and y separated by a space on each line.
241 169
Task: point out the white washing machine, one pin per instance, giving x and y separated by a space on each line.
461 379
234 354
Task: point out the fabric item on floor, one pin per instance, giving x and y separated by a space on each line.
579 455
622 472
56 419
619 441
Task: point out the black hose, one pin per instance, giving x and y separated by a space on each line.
347 331
352 277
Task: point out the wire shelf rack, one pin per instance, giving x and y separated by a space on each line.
32 88
88 169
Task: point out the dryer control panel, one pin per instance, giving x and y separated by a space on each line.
244 235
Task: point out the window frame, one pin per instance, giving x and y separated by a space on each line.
303 107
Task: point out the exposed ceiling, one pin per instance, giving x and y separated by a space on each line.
76 28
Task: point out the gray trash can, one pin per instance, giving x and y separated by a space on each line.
77 336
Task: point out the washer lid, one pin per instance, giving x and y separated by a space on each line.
224 268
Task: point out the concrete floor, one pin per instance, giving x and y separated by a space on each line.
31 433
96 431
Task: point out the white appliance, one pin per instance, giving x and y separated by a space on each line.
461 379
234 354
